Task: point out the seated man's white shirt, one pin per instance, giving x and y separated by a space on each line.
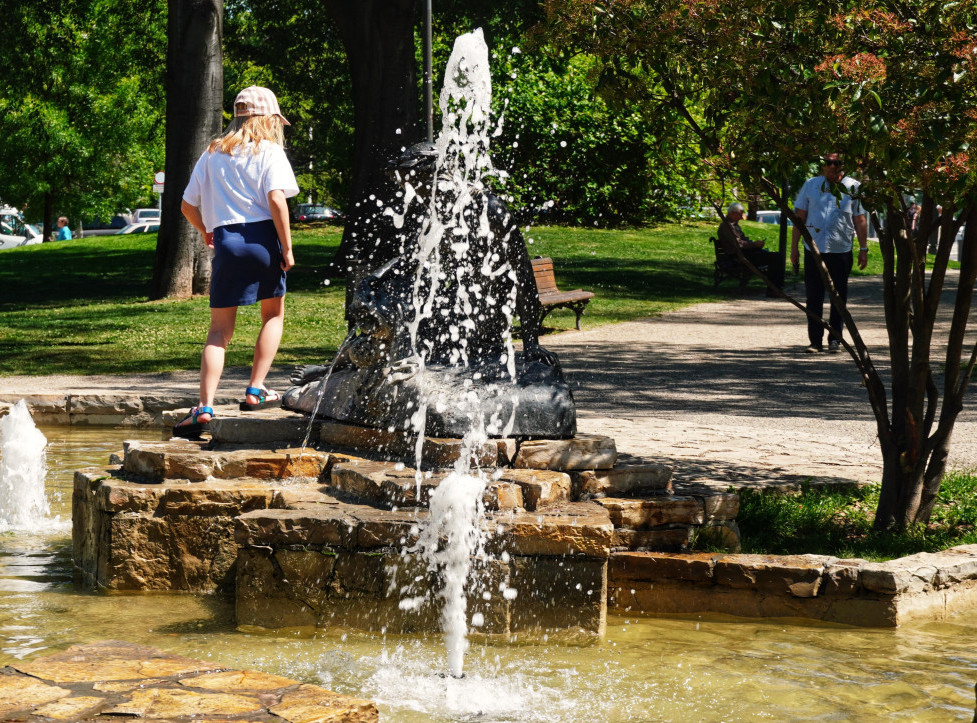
234 188
829 218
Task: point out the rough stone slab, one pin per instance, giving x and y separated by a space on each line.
503 496
556 595
440 453
18 693
116 679
650 512
331 526
584 451
629 476
384 483
797 575
540 488
896 576
652 566
312 704
668 538
167 536
339 434
307 589
110 660
192 460
579 528
398 444
718 504
104 404
841 577
270 426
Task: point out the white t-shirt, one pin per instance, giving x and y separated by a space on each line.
829 219
234 188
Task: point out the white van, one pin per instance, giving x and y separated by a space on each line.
145 215
14 232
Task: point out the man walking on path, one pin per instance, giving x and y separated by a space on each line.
826 205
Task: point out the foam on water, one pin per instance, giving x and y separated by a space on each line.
407 679
23 503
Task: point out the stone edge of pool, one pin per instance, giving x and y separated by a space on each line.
926 586
112 678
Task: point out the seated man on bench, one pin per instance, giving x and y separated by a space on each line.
731 237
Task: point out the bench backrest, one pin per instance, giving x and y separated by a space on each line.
543 271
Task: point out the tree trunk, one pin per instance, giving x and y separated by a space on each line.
194 107
914 455
379 39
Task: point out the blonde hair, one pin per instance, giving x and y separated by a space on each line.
249 129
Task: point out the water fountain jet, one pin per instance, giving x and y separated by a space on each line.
23 503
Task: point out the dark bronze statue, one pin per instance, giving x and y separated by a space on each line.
430 330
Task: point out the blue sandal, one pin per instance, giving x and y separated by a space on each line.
266 398
189 426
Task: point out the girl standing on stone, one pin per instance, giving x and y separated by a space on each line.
236 199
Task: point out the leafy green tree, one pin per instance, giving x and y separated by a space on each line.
767 86
294 48
80 105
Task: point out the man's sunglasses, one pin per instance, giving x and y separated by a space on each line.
833 162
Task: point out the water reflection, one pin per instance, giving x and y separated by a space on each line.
661 669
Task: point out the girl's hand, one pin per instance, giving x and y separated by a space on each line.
288 260
209 239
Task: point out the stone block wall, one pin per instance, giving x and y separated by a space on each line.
851 591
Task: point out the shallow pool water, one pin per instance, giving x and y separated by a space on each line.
701 668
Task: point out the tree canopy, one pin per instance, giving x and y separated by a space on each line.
81 105
767 86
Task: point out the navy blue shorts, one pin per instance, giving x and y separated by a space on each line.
247 264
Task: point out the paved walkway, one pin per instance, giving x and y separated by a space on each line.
721 391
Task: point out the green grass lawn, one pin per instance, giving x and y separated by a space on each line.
80 307
832 522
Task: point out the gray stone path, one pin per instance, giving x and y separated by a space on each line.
722 391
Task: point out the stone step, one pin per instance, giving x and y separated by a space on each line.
582 452
192 460
291 429
391 484
630 476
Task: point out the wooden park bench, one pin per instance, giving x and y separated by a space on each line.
728 266
551 297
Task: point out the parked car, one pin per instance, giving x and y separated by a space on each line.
142 215
14 232
147 227
314 212
770 217
97 227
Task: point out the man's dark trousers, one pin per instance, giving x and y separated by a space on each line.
770 259
839 269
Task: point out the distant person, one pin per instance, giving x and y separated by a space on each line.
826 205
236 199
912 215
64 233
934 239
731 238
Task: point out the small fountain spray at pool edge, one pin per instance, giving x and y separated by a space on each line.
23 503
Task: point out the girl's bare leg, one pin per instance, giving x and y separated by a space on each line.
212 360
266 347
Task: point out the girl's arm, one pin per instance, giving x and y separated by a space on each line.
197 221
279 215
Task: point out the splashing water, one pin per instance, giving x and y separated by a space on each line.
454 255
23 468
